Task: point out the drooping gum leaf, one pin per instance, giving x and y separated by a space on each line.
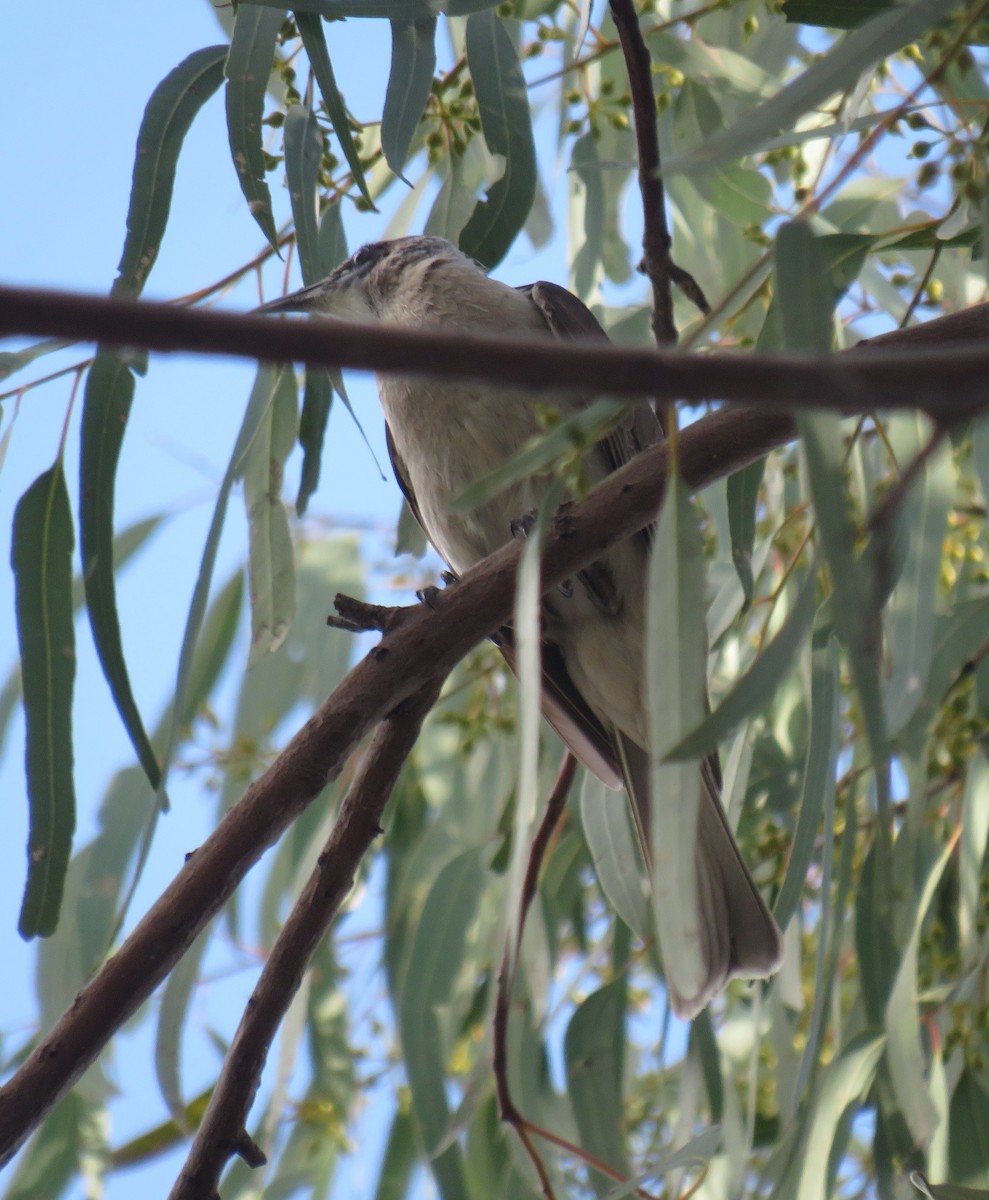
41 556
270 557
611 841
743 496
106 406
258 407
753 690
503 104
167 119
594 1051
817 790
314 40
904 1051
252 51
303 151
675 676
413 61
911 609
436 957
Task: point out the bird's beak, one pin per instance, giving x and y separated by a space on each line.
337 295
317 297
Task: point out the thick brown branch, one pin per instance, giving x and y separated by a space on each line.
224 1123
946 382
431 640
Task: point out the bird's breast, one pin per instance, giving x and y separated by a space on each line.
449 435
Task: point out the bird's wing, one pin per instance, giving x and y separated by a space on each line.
567 317
563 706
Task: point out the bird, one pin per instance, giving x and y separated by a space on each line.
443 435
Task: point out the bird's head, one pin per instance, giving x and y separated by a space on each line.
377 282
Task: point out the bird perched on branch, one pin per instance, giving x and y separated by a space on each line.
442 436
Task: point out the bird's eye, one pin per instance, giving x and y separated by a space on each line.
367 255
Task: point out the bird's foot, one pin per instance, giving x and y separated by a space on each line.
428 595
521 527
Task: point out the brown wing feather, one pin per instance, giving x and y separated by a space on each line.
563 706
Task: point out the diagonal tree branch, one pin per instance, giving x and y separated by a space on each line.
427 641
223 1130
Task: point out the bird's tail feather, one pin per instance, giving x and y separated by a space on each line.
739 937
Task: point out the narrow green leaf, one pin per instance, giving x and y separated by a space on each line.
971 854
169 114
594 1052
704 1045
968 1136
856 616
911 609
52 1157
817 790
332 239
398 1160
743 497
803 290
258 407
503 105
12 361
904 1051
980 454
834 14
842 1085
172 1013
317 400
337 10
270 556
753 690
41 556
582 428
126 544
252 51
839 68
314 39
413 61
106 407
528 658
946 1191
436 956
303 153
676 674
618 863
